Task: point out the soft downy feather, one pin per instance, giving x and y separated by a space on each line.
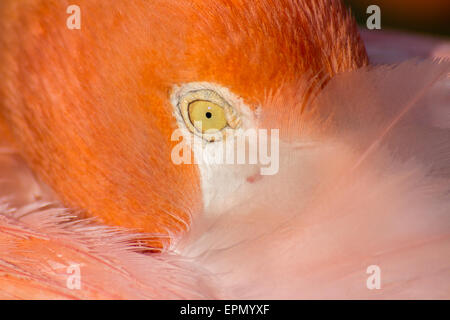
366 182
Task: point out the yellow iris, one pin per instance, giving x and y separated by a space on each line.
205 115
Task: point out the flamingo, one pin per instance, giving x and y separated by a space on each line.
98 208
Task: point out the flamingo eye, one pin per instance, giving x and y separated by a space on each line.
207 114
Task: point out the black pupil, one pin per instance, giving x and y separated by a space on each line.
208 115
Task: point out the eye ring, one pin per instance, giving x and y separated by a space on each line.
208 96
